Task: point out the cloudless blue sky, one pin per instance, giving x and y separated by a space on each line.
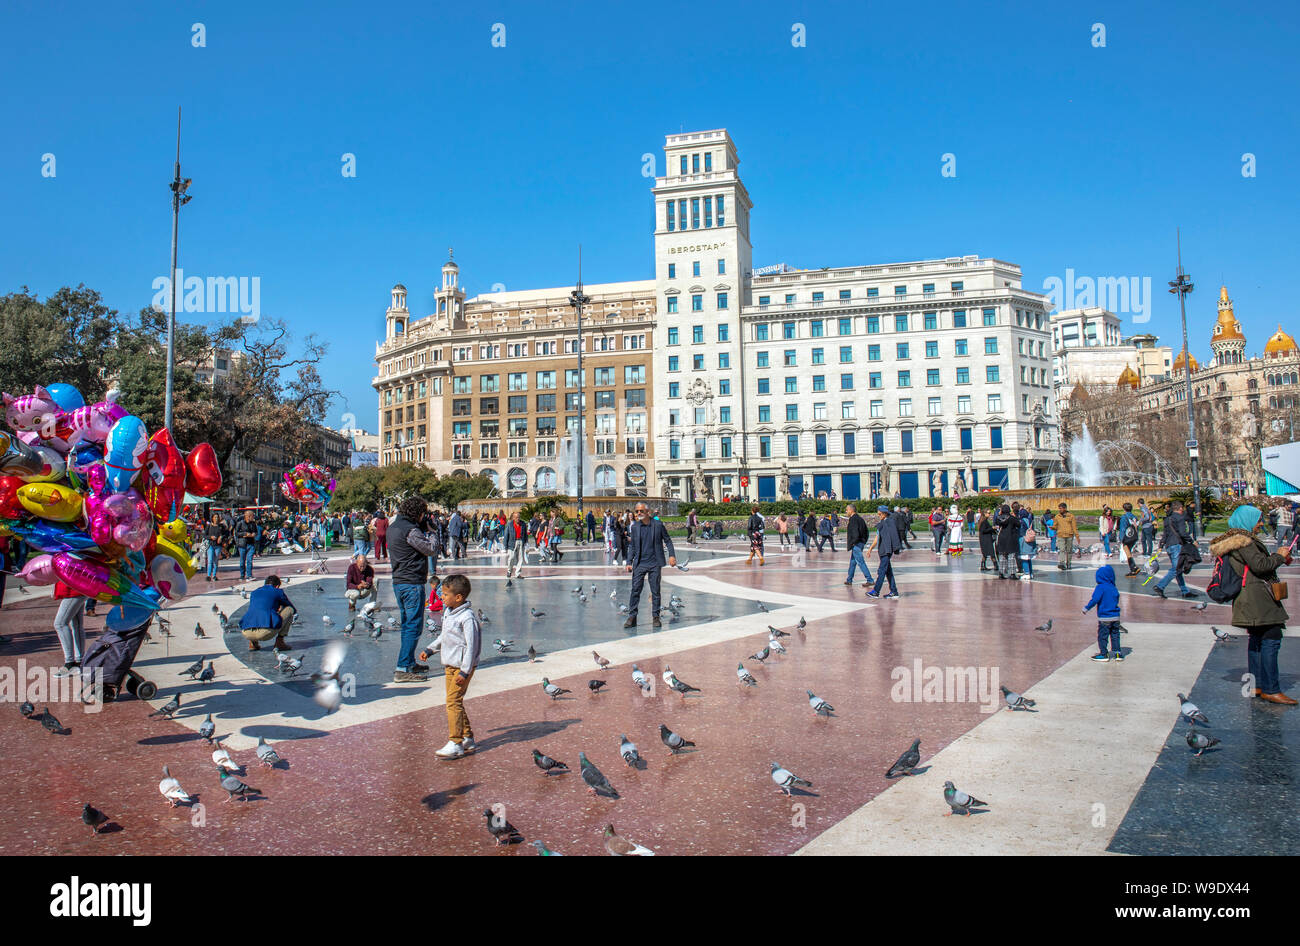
1067 155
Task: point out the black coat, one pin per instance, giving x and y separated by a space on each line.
858 531
988 538
1008 534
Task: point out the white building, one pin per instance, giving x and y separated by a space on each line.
1088 348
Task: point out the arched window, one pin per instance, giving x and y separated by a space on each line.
635 478
517 481
492 475
606 478
545 479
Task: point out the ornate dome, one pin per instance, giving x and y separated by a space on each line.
1280 343
1181 361
1130 377
1227 328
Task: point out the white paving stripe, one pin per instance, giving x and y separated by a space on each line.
1099 730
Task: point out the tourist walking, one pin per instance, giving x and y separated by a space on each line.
755 528
1048 519
381 536
692 523
410 548
516 546
808 529
1127 530
1105 598
1176 536
1147 526
215 534
246 543
647 541
1028 550
783 528
887 544
988 541
1256 608
825 533
936 530
456 533
1066 532
1008 544
1105 526
858 534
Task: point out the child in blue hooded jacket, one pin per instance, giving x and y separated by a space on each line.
1105 597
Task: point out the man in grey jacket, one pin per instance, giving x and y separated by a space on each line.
646 542
887 544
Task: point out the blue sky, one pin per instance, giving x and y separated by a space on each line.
1067 155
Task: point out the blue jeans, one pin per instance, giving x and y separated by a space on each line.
1105 543
857 561
1148 539
886 570
246 561
1108 630
359 547
1261 657
214 556
1175 553
410 606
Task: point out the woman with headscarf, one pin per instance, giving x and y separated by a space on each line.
955 522
1008 545
1255 609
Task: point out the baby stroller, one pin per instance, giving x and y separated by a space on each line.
113 653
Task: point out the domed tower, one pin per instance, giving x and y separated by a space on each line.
1128 377
1280 345
449 299
398 315
1228 342
1180 362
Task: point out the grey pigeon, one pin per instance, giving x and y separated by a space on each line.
786 780
92 817
622 609
265 753
215 609
193 669
543 850
1016 701
627 749
1200 606
596 781
601 662
745 676
51 722
286 663
1045 627
776 632
547 764
207 728
762 654
502 647
552 690
198 631
762 607
640 679
802 623
1220 636
674 741
209 673
776 645
535 613
169 708
909 760
819 706
532 653
376 632
1200 741
1191 712
27 710
959 801
680 686
502 831
234 785
595 685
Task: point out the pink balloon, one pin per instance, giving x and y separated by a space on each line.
39 571
82 576
119 519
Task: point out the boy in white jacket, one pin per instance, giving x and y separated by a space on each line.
461 641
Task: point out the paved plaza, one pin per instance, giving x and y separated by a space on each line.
1098 765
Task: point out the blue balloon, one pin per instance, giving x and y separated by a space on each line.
66 396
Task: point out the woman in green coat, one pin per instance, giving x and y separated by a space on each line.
1254 610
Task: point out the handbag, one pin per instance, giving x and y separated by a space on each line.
1278 590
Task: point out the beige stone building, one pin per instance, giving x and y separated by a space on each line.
490 386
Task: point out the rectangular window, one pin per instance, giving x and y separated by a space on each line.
722 267
722 301
959 318
931 349
672 218
571 378
517 404
819 411
819 356
765 447
819 382
672 304
792 445
673 336
545 403
819 297
545 380
724 360
900 323
764 413
848 410
935 406
674 363
905 441
788 358
819 444
873 325
936 441
905 379
724 415
764 386
725 443
846 354
961 346
724 387
791 413
816 328
995 438
697 334
874 380
634 374
877 408
995 403
697 302
902 350
963 404
724 333
695 213
672 267
904 407
518 381
990 316
963 376
931 321
900 290
791 385
788 330
674 449
873 353
990 346
846 295
850 444
718 205
708 212
846 326
932 376
760 332
965 433
697 362
877 441
674 389
991 374
846 382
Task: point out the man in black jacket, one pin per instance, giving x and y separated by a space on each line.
887 544
246 542
409 549
857 541
645 556
1176 534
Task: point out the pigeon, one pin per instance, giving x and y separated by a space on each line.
27 710
535 613
193 669
622 847
547 764
207 729
221 616
502 647
762 607
92 817
483 618
670 678
776 645
392 622
50 722
595 685
1200 741
165 630
683 566
209 673
1191 712
287 664
376 632
802 623
906 762
319 589
601 662
329 692
640 679
622 609
235 786
1200 606
532 653
222 759
959 801
627 749
613 595
350 627
576 591
171 790
169 709
786 780
776 632
1045 627
762 654
745 676
674 741
551 689
543 850
502 831
198 631
265 754
819 706
1016 701
215 609
297 618
1220 636
593 589
596 781
327 620
370 608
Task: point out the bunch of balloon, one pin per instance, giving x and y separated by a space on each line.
309 484
99 499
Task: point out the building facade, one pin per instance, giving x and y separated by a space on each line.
1088 348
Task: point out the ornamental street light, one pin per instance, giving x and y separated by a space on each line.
1181 286
578 299
179 199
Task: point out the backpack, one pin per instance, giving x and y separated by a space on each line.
936 518
1130 533
1225 584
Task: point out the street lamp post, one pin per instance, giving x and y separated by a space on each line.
1181 286
259 487
578 299
179 200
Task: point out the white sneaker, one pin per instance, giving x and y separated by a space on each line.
450 751
467 746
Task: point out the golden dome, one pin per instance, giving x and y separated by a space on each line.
1180 361
1280 343
1130 377
1227 327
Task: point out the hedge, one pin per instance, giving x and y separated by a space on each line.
791 507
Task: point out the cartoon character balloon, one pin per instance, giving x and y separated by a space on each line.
308 484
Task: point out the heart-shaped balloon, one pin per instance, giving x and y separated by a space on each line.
163 482
203 473
10 507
